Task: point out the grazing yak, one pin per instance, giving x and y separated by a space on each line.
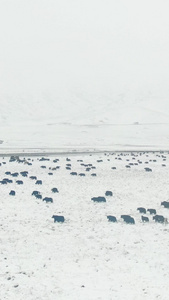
68 168
109 193
35 193
159 219
127 219
24 173
60 219
38 196
19 181
141 210
3 182
38 182
56 160
15 174
111 219
148 169
33 177
12 193
14 158
99 199
48 199
152 211
55 190
43 159
7 180
73 173
165 204
145 219
8 173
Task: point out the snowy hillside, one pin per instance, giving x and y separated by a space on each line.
79 123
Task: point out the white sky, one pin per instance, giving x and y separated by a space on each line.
90 45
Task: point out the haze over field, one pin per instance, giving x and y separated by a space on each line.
68 63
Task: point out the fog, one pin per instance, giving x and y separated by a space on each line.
96 47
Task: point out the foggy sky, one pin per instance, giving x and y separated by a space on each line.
97 46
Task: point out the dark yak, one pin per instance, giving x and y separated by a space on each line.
111 219
55 190
3 182
99 199
141 210
145 219
24 173
60 219
15 174
12 193
33 177
159 219
35 193
38 182
19 181
38 196
127 219
73 173
148 169
48 199
152 211
165 204
109 193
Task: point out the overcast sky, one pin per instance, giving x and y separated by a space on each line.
92 45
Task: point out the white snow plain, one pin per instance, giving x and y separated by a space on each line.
86 257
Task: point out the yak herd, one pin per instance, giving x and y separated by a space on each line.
134 160
130 220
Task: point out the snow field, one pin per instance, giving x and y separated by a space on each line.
86 257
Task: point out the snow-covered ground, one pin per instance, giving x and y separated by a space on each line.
86 257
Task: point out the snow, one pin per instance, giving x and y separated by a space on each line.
86 257
84 80
109 125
